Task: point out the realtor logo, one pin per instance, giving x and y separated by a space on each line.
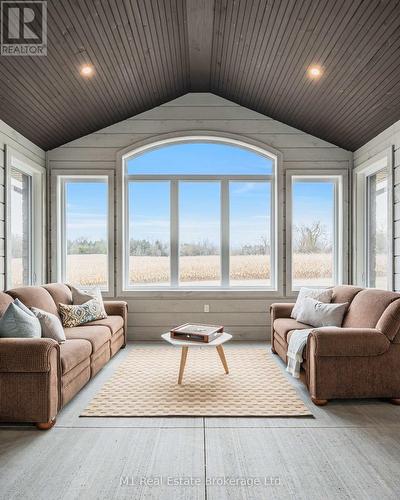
23 28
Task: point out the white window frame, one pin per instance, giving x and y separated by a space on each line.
59 243
123 287
341 251
37 173
360 217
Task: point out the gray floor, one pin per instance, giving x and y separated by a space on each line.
349 450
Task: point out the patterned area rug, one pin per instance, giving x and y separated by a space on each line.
145 384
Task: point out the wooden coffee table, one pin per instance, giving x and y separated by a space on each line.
185 344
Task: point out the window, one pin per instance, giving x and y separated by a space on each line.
84 243
149 233
374 219
21 221
200 233
250 233
198 215
377 229
316 228
25 230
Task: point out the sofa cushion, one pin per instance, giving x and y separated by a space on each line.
96 335
367 307
283 326
35 296
345 293
59 292
114 323
73 352
5 301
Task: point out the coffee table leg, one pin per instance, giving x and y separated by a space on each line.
221 353
183 363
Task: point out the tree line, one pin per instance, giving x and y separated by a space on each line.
308 238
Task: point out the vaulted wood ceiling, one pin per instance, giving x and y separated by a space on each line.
253 52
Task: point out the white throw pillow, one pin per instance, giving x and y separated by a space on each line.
320 294
80 297
316 313
51 325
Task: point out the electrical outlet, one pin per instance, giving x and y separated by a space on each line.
206 308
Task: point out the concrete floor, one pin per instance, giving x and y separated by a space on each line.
351 449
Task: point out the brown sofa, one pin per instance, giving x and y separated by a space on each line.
38 376
359 360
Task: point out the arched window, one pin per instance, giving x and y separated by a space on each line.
199 213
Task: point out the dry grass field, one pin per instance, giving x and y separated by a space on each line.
89 269
250 269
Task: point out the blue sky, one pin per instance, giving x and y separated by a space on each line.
196 158
86 210
313 201
199 201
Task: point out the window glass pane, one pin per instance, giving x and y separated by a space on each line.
20 221
149 229
377 230
313 216
199 233
86 226
250 233
199 158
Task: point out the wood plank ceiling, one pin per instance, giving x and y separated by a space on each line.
253 52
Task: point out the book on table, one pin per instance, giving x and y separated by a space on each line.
197 332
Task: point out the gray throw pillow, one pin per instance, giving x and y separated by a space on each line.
51 325
22 306
80 297
316 313
16 323
320 294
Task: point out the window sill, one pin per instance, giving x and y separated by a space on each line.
239 293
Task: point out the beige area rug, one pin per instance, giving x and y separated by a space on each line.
145 385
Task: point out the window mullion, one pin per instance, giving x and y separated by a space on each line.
336 251
174 229
225 233
63 229
127 235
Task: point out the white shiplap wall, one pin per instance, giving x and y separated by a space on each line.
9 137
389 138
245 315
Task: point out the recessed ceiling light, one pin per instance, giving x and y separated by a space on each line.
87 70
314 72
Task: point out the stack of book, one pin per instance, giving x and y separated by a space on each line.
197 333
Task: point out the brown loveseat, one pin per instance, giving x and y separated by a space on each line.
38 376
359 360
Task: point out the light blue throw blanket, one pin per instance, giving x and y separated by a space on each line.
297 342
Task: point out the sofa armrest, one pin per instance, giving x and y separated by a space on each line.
280 311
27 355
118 308
332 341
30 380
